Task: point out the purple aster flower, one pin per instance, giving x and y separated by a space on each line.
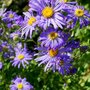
78 13
9 16
53 38
22 57
20 84
15 35
55 59
12 19
1 65
29 25
49 12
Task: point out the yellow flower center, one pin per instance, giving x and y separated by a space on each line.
64 1
11 15
20 86
53 35
79 12
47 12
20 56
53 53
31 20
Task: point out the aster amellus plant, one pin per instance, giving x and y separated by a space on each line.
44 42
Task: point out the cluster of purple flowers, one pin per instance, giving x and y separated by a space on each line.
12 19
56 49
56 46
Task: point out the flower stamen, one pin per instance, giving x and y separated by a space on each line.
53 53
20 86
31 20
20 56
47 12
11 15
79 12
53 35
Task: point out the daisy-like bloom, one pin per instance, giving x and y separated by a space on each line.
78 13
29 24
50 12
53 38
20 84
22 57
1 65
55 59
9 16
